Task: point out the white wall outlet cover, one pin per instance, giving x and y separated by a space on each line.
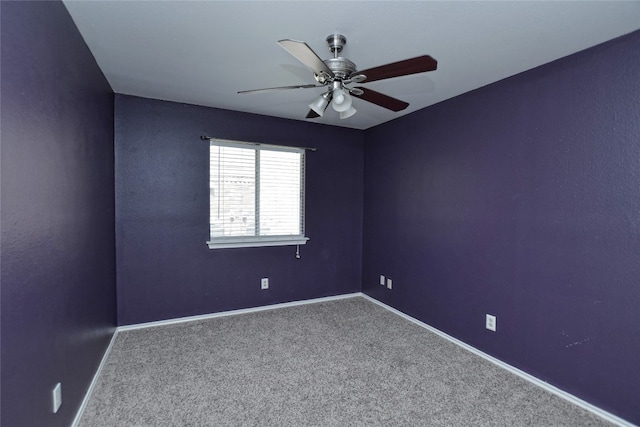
389 284
264 283
491 322
382 280
57 397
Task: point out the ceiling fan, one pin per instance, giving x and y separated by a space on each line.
338 73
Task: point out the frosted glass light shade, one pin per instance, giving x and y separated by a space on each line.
320 104
341 100
346 114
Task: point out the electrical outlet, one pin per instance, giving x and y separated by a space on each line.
491 322
57 397
382 280
264 283
389 284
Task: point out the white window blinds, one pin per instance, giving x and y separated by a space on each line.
256 195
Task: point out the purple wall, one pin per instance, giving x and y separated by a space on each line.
58 260
165 269
522 200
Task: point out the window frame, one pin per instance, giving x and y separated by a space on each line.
256 240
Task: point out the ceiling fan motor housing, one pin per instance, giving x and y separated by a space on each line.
341 67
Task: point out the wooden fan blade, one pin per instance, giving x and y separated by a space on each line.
312 114
303 53
415 65
271 89
381 99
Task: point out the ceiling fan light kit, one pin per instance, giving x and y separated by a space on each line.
339 72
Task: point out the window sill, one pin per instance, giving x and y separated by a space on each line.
248 243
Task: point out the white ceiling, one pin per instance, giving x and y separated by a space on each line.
203 52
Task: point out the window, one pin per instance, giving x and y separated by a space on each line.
256 195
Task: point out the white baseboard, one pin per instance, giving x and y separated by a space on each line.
550 388
94 381
235 312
